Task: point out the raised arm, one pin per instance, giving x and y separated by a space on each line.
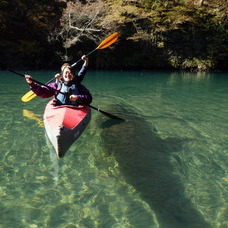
41 91
81 74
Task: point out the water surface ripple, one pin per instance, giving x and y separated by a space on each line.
165 166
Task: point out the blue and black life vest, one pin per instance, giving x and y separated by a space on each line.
68 88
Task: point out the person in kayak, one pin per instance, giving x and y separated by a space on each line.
69 84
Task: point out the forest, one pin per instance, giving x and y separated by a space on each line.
186 35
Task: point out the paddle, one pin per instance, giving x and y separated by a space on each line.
4 67
106 113
104 44
28 96
22 75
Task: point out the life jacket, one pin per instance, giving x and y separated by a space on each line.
68 88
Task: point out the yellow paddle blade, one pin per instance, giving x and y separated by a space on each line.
108 41
28 96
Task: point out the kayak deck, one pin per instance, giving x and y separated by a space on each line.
64 124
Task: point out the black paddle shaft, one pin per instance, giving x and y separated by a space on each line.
106 113
22 75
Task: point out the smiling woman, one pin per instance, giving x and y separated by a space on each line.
67 88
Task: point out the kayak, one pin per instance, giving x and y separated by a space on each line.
64 124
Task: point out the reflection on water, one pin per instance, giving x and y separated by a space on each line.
54 159
53 156
33 116
180 79
187 76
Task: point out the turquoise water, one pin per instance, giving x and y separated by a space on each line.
165 166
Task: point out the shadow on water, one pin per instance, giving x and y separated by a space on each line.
145 161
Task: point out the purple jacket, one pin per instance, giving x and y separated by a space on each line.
84 96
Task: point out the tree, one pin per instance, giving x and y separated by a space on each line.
25 27
79 22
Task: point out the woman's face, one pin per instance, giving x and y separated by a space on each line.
67 74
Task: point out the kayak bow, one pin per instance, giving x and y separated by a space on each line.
64 124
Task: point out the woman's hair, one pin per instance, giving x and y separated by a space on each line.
64 66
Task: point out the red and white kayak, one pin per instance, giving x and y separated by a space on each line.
64 124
